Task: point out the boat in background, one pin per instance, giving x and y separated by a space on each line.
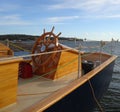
57 78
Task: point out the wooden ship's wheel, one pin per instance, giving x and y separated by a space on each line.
46 60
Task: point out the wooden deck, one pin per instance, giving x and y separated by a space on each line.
38 93
30 91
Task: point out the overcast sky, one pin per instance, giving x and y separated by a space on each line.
91 19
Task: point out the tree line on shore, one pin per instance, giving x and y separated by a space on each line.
18 37
24 37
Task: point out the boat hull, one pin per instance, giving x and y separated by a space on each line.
81 99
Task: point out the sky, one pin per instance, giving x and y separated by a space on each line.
90 19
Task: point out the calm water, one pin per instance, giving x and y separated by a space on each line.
111 100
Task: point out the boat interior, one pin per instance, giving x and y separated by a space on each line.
38 82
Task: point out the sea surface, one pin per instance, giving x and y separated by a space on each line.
111 99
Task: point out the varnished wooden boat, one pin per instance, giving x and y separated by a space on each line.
5 51
64 79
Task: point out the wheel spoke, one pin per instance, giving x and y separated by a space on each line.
43 45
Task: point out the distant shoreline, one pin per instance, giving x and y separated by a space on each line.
22 41
23 37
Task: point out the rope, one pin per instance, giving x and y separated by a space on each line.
90 46
24 56
26 94
19 47
55 70
30 55
60 67
93 93
102 45
83 47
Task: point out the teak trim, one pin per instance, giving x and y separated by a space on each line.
56 96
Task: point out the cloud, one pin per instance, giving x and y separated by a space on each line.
1 9
12 20
112 16
66 19
79 4
93 7
6 7
115 2
9 14
61 19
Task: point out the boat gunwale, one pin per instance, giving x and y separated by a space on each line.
10 60
58 95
